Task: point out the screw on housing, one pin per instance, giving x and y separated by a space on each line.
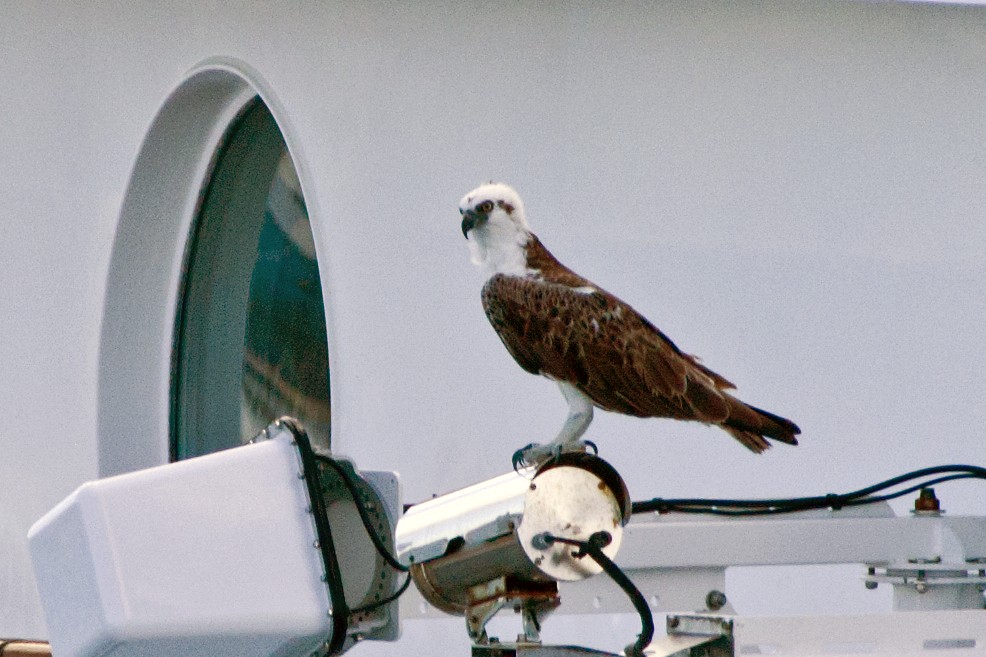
927 503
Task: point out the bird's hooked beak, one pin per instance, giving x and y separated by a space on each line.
469 221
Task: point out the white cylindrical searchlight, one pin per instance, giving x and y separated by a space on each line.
492 544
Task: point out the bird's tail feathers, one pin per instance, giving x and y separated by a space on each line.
753 442
752 426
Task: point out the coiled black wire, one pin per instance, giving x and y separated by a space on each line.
833 501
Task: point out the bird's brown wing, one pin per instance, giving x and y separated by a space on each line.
590 338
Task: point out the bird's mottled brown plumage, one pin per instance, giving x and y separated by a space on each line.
558 324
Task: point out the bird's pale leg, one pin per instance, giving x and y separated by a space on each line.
579 415
578 420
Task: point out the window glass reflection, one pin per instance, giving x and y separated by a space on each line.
251 332
285 360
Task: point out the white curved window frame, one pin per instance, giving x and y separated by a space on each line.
145 277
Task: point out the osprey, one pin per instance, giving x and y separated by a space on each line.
600 351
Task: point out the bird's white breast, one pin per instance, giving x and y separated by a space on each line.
500 249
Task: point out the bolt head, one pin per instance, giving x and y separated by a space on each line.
715 600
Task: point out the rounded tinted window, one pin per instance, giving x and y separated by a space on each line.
251 338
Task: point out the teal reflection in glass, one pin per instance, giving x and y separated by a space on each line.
251 339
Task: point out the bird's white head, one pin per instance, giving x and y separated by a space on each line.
493 222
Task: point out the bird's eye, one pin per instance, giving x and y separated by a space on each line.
485 207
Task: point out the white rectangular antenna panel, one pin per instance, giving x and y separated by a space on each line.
215 555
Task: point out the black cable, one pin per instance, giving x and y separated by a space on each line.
325 544
390 598
834 502
364 515
375 538
594 548
972 470
917 487
310 458
731 507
